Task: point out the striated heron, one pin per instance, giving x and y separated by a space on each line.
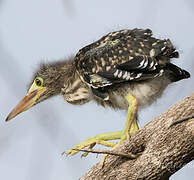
123 70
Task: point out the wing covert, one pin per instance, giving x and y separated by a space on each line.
126 55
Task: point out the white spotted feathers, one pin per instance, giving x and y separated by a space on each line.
126 75
125 55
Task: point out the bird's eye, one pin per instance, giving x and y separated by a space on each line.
39 81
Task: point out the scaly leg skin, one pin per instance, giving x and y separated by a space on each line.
130 128
131 125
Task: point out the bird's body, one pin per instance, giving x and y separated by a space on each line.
79 92
122 70
123 51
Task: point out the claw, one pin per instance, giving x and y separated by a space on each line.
90 147
84 154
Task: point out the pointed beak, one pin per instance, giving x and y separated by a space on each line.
28 101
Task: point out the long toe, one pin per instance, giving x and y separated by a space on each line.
102 139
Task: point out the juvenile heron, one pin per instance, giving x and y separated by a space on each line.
123 70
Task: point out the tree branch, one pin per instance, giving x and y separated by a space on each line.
96 151
165 145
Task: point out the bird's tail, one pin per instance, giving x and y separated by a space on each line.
169 50
176 73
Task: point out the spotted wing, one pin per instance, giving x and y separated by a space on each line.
140 68
126 55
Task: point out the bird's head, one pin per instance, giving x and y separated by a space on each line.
47 82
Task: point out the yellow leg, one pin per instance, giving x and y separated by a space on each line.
130 128
131 125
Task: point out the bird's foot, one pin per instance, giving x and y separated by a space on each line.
102 139
125 134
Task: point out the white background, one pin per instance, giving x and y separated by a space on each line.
35 30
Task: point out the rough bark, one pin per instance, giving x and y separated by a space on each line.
164 146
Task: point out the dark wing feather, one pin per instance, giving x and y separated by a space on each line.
139 68
126 55
139 63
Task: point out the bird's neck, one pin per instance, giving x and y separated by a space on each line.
75 91
63 71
